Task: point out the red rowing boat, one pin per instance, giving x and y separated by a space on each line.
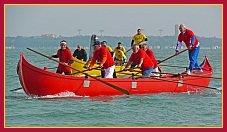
40 82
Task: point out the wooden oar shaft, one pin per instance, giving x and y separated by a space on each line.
155 77
165 80
52 67
15 89
86 70
79 72
131 48
127 50
204 76
108 84
184 74
172 66
78 61
183 83
128 70
172 56
45 56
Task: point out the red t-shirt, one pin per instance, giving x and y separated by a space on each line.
186 37
104 56
147 62
151 55
64 56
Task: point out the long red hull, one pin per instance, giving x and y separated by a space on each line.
36 81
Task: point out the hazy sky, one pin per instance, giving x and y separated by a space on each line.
120 20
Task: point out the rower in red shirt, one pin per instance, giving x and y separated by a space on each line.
65 56
142 60
150 53
105 58
193 45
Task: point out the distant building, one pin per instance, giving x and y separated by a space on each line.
176 30
49 35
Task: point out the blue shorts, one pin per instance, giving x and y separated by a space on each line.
147 72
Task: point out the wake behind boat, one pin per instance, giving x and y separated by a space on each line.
40 82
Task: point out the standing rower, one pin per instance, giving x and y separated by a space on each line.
193 45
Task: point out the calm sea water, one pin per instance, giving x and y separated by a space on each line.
153 110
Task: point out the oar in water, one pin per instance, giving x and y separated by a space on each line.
108 84
15 89
172 56
51 67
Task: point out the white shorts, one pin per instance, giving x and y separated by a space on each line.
109 72
155 70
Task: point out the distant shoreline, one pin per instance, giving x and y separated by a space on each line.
155 42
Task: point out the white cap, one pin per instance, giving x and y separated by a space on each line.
63 42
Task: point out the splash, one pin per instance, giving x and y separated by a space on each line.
62 95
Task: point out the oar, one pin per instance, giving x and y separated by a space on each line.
155 77
86 70
52 67
78 61
184 74
202 76
184 83
172 66
135 69
127 50
108 84
132 73
131 48
172 56
15 89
